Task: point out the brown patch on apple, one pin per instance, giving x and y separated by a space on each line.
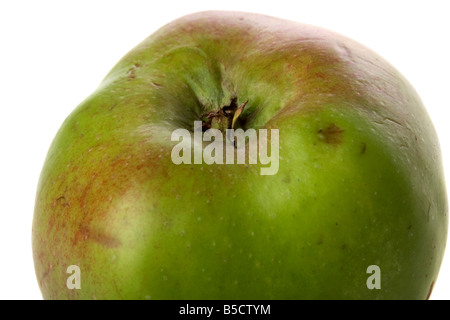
363 148
156 84
131 73
98 237
62 201
332 134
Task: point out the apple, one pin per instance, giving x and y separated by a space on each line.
138 198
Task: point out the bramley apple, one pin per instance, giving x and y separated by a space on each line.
134 203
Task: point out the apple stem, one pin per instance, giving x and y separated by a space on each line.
224 118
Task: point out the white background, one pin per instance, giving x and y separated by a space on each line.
54 53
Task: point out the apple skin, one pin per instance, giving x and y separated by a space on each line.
360 179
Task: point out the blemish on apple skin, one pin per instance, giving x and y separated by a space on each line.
62 201
155 84
320 240
98 237
131 74
332 134
363 148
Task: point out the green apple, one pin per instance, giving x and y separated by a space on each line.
353 206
